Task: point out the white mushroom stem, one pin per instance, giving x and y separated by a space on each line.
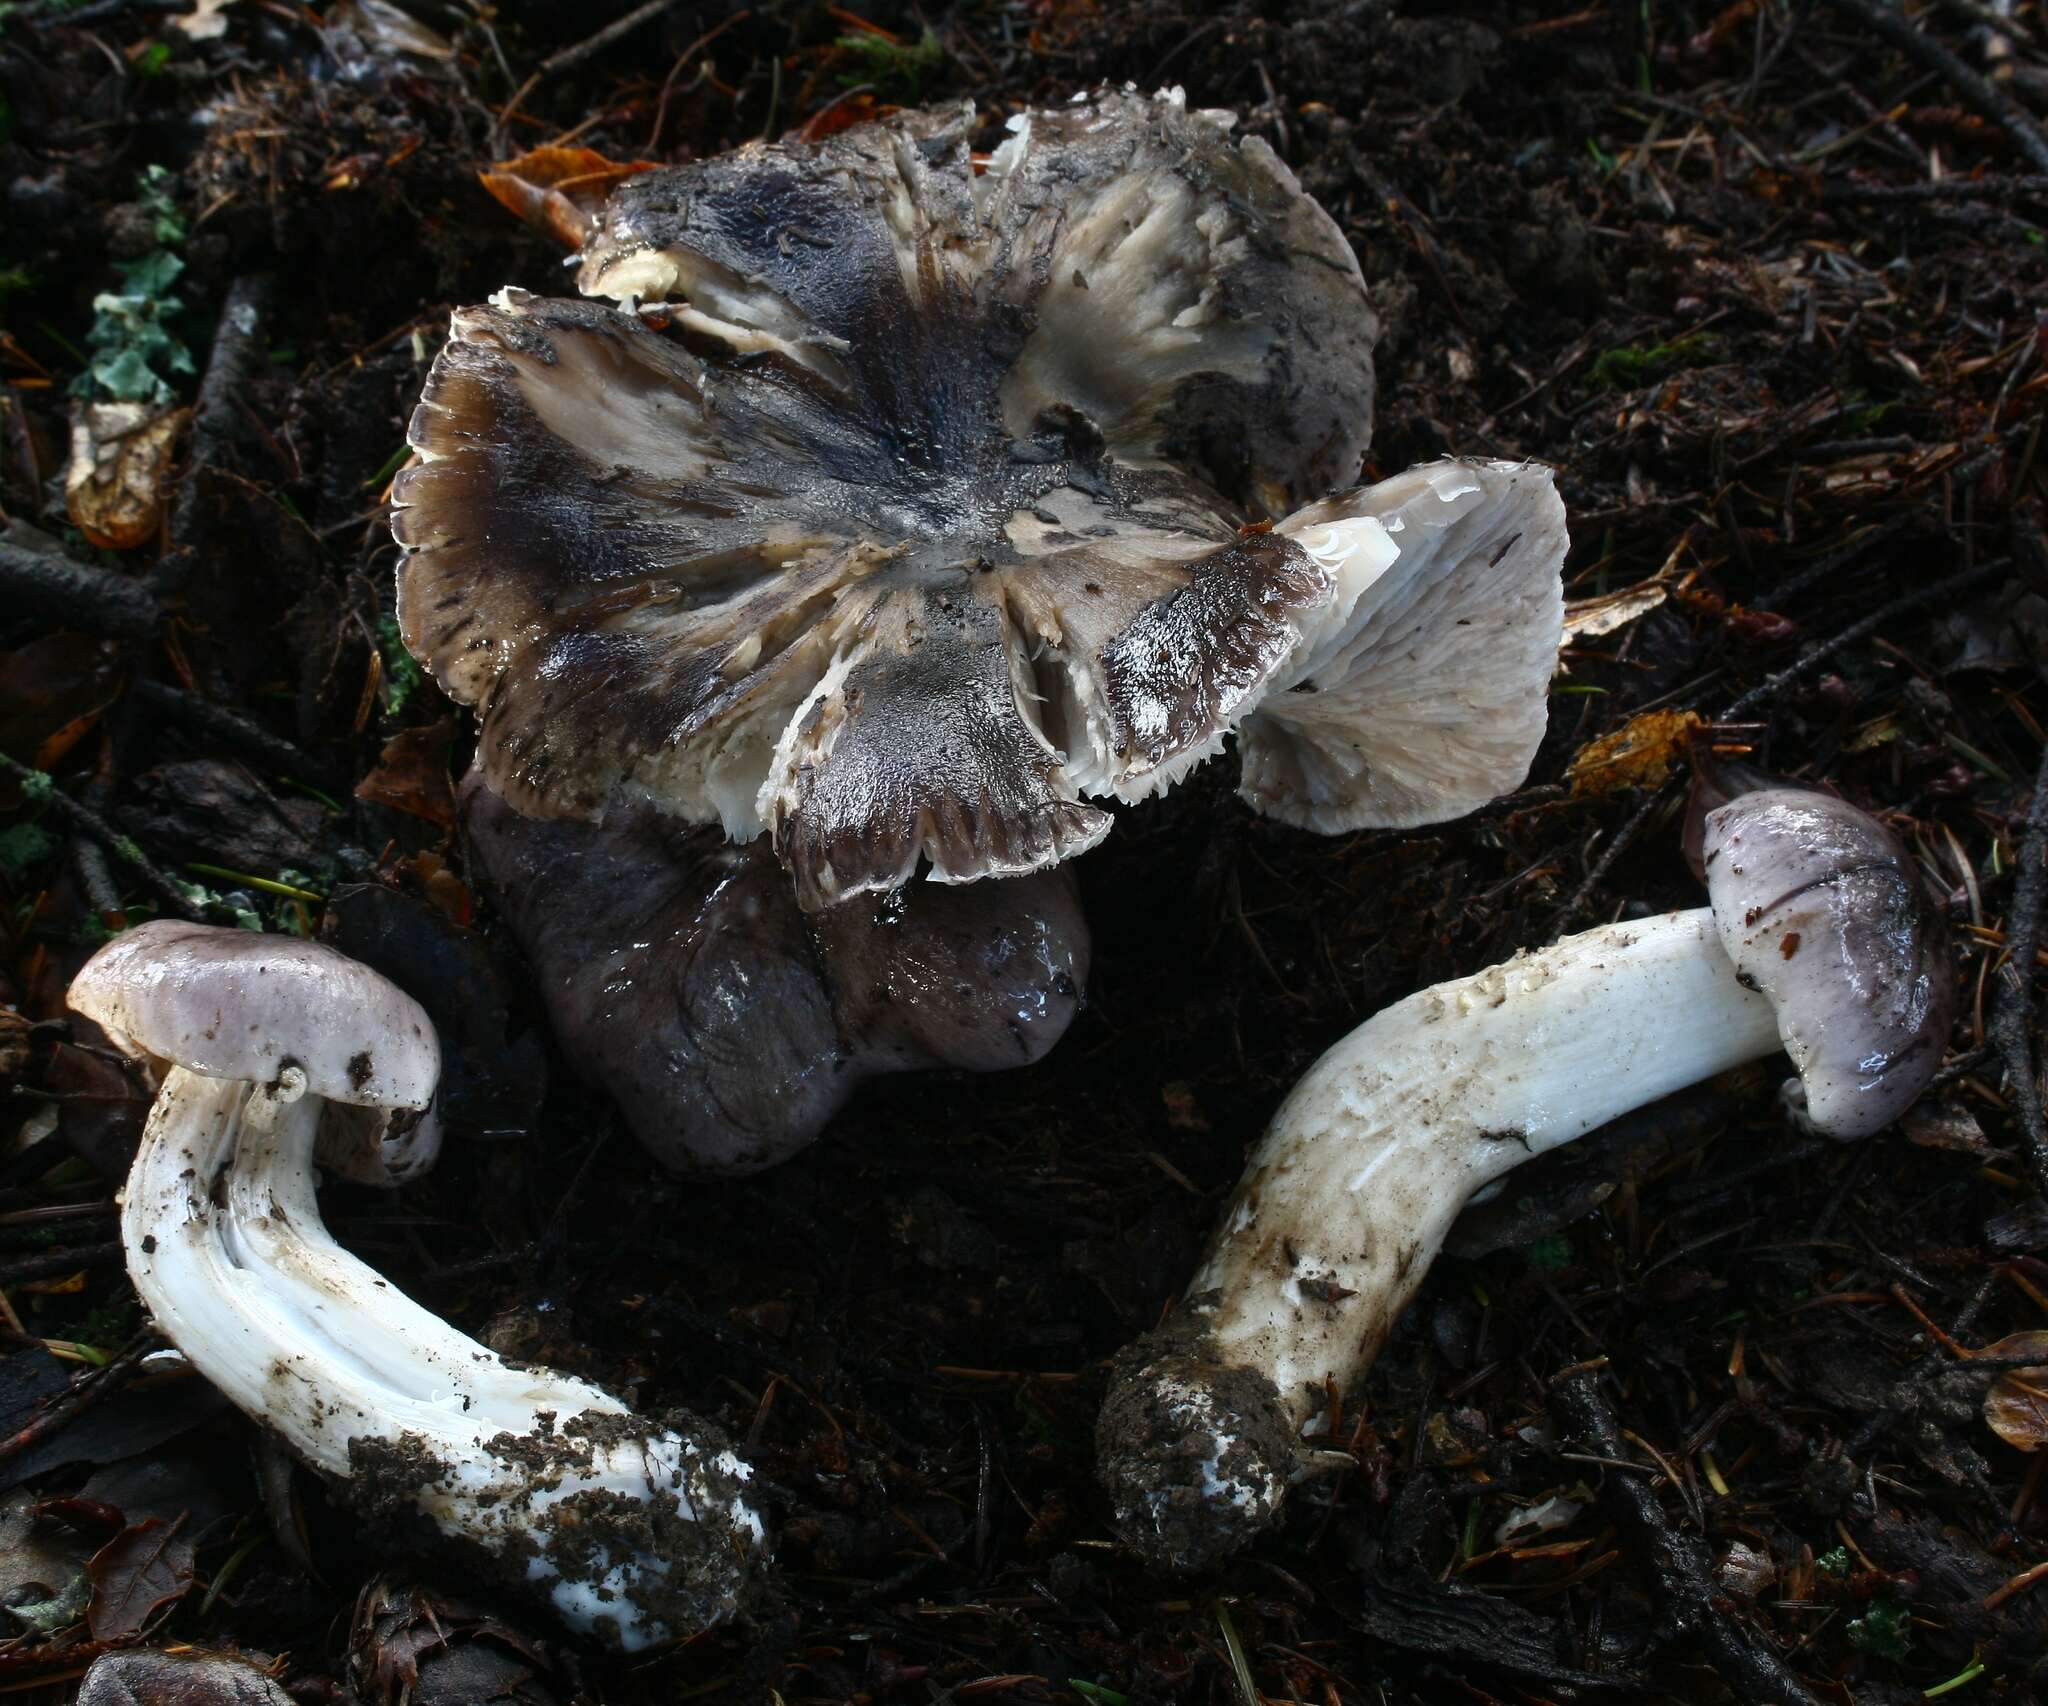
1356 1182
636 1534
1350 1193
1817 940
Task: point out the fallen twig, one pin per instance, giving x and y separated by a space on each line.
96 601
2012 1014
1676 1563
89 822
80 1396
1811 659
230 728
1941 189
238 355
1974 89
1762 693
49 1262
578 52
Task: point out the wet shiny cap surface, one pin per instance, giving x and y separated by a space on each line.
728 1025
244 1005
1818 905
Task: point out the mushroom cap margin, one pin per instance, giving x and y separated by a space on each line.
238 1004
1818 905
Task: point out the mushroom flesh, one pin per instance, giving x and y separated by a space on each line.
272 1047
1816 940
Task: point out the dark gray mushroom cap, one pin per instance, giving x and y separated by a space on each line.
915 518
729 1026
1819 907
241 1004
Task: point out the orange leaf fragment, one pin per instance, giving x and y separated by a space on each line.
559 190
412 774
2016 1407
857 107
428 875
1639 754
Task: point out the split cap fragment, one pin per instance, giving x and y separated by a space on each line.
1817 940
633 1533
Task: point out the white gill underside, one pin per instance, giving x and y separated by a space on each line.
1430 699
1376 1150
227 1249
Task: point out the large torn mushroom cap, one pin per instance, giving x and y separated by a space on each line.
914 517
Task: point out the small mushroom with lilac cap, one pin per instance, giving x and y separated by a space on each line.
272 1050
1817 941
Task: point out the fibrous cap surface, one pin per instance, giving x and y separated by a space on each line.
1817 904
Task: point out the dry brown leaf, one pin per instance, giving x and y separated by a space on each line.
1639 754
1183 1111
52 692
120 464
1941 1124
135 1575
1588 618
2016 1407
412 774
559 190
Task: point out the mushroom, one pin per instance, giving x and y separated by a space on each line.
727 1024
1816 940
912 500
268 1046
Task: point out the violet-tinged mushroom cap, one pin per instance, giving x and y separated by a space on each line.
1818 906
917 518
244 1005
729 1026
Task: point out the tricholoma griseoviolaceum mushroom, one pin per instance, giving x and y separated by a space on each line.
903 503
271 1050
1817 941
908 502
